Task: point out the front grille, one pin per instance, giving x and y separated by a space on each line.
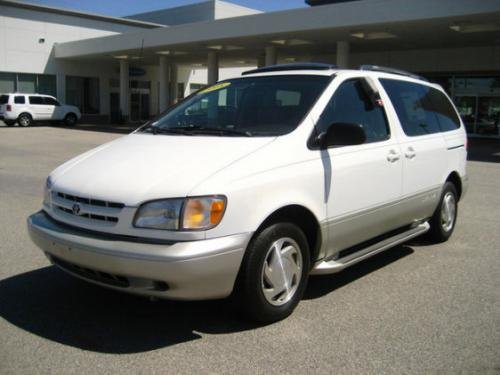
91 202
90 216
88 273
87 208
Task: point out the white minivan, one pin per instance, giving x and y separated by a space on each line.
247 187
25 109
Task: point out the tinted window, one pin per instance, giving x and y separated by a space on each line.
444 111
413 105
50 101
254 106
36 100
4 99
19 100
351 104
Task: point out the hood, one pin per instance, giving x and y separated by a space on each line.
142 167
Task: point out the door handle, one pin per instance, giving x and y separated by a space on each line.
392 156
410 153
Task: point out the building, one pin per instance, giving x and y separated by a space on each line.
135 67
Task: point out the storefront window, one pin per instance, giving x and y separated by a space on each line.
7 82
28 83
47 85
83 92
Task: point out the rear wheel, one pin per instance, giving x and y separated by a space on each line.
25 119
274 273
445 217
70 119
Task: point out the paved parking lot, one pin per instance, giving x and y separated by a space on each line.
416 309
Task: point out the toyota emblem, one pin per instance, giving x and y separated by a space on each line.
76 209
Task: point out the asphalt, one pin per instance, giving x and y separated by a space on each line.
416 309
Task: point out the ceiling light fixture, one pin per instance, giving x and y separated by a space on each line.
373 35
474 28
290 42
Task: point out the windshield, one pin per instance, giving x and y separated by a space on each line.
250 106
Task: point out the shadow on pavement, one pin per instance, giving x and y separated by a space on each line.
106 128
51 304
320 286
486 150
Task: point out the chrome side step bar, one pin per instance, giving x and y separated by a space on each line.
337 265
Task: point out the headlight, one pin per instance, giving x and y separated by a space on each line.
198 213
164 214
46 192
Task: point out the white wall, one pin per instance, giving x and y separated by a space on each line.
198 12
21 29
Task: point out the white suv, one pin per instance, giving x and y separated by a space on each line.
249 186
28 108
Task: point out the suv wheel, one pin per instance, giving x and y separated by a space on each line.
24 119
70 119
274 273
445 217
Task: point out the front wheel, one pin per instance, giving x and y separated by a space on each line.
445 217
274 273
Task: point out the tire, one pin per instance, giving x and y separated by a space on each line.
444 219
70 119
25 120
9 122
265 296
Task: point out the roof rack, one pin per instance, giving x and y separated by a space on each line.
297 66
377 68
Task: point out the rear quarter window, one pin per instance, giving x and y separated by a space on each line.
19 100
4 99
444 111
413 106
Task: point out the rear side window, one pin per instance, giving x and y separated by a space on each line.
4 99
413 105
36 100
50 101
351 104
444 111
19 100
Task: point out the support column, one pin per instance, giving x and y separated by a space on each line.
173 84
61 85
343 54
124 90
271 56
261 61
164 99
212 67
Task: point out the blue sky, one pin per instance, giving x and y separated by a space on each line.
126 7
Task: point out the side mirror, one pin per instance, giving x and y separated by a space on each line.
342 134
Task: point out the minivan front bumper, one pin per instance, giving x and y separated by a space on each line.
194 270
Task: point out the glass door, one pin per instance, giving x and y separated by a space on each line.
488 115
480 114
135 106
467 108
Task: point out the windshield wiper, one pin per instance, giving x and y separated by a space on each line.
157 130
216 131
